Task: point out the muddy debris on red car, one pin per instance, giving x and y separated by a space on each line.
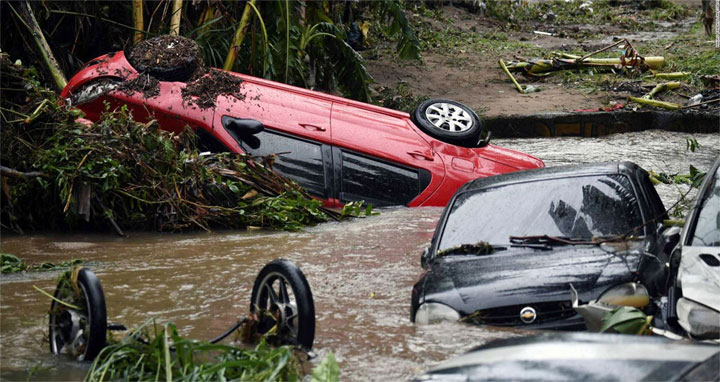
338 149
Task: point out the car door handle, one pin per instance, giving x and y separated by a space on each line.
311 127
418 154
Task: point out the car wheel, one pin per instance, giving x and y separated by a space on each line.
282 299
81 332
448 121
167 58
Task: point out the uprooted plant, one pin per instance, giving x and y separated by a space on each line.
154 352
59 173
13 264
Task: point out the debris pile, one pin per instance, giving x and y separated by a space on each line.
629 63
62 174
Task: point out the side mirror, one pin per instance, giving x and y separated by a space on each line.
424 258
484 140
241 129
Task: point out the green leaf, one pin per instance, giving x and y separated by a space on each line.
327 371
625 320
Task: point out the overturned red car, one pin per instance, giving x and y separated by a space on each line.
338 149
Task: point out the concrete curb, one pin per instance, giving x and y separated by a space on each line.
596 124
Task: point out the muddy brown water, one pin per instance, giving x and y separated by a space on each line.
360 271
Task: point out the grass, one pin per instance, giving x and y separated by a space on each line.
158 353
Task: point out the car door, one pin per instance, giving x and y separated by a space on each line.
296 130
278 107
380 159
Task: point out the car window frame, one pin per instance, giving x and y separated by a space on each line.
325 155
442 223
424 178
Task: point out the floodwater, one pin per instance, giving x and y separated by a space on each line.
360 271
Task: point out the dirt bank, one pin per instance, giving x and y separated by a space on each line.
461 52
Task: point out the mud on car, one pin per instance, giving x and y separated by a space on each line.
509 249
338 149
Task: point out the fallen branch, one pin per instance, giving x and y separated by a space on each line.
671 76
661 88
27 18
701 103
505 69
656 103
12 173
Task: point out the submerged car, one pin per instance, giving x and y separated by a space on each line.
582 357
339 150
694 296
509 249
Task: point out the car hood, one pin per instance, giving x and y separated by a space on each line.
523 275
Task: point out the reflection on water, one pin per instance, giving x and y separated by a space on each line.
360 271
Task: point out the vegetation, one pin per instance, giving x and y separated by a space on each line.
525 15
13 264
121 173
155 353
297 42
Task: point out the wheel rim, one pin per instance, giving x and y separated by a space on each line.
69 328
449 117
277 301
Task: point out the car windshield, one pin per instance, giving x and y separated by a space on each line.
579 207
707 229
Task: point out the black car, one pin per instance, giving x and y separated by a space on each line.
582 357
509 248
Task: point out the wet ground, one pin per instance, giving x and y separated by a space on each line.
360 271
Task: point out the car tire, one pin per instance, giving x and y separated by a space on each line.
173 74
295 319
448 121
181 69
67 325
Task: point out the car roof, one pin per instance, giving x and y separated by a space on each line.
599 168
578 355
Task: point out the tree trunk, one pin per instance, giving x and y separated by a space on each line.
138 21
175 20
51 65
239 36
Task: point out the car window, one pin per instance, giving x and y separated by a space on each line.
579 207
707 228
208 142
298 159
378 182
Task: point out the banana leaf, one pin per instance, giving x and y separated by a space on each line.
626 320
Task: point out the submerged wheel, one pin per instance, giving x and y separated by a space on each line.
281 297
82 332
448 121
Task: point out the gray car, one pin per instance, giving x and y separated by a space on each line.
582 357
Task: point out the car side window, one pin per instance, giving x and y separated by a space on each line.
707 227
208 142
297 159
378 182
